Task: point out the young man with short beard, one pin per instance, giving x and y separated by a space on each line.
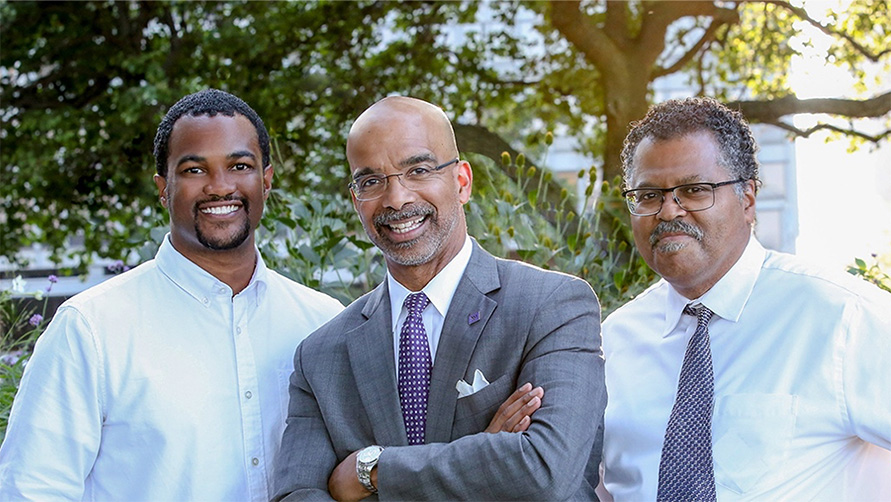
169 382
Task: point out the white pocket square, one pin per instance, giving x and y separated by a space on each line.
465 389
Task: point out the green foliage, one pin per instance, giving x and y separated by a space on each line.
594 242
873 273
84 85
314 240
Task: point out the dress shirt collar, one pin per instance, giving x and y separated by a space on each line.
199 283
728 296
439 290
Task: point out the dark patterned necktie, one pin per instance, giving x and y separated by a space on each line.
414 369
686 472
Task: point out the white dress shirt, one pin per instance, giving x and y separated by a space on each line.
439 290
158 384
802 388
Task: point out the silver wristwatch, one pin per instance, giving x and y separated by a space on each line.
365 462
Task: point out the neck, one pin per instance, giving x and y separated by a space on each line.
233 267
415 277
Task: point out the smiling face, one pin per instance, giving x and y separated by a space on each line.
419 230
691 250
215 185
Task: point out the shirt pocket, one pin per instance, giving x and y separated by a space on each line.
752 435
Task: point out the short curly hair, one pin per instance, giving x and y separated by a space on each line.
677 118
209 102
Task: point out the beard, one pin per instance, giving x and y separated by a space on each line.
228 241
417 251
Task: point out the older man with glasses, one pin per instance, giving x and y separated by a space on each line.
396 397
743 373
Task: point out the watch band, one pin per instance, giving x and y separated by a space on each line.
366 459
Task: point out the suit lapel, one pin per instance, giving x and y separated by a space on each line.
370 348
464 322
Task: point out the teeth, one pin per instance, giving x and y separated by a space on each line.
401 228
220 210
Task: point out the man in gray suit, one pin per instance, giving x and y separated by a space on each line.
392 396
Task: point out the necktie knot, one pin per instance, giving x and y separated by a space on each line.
415 303
700 312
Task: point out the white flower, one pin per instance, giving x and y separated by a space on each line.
38 295
18 284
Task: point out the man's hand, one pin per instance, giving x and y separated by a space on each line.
344 485
514 414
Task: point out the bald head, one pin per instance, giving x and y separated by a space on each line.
383 120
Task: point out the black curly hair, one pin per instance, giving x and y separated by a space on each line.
208 102
677 118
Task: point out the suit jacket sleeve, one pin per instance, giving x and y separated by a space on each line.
547 462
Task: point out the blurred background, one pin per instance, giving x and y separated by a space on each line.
541 94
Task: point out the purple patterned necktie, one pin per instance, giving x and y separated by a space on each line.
686 472
414 369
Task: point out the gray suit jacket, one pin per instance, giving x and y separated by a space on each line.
514 322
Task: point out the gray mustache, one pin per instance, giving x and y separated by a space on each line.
674 227
387 217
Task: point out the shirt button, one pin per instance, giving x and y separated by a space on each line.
206 301
248 394
255 461
238 330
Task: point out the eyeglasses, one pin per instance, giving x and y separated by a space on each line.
691 197
416 177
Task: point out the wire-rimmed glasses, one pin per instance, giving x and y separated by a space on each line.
690 196
373 186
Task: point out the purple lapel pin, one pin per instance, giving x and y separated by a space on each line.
474 317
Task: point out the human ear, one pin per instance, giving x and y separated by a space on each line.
268 172
465 181
748 200
161 183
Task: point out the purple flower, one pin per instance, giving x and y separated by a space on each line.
117 267
35 320
11 358
52 280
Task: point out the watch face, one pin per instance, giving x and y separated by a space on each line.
368 454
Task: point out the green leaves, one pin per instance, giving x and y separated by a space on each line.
570 236
874 273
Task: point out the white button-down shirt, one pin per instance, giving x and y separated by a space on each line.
802 388
439 290
158 384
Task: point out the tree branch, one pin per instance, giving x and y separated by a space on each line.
802 13
804 133
771 111
568 18
616 25
707 36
